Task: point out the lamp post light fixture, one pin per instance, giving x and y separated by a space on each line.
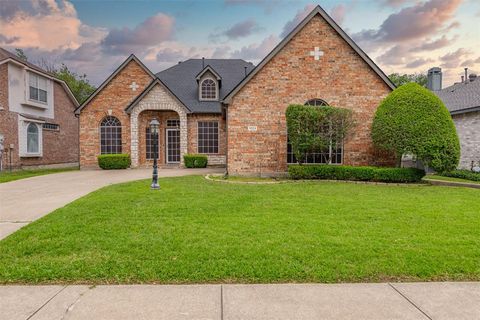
154 128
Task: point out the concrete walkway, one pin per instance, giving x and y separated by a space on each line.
436 300
23 201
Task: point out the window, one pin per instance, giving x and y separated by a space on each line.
173 123
110 135
33 140
51 126
37 88
149 144
207 137
331 155
208 90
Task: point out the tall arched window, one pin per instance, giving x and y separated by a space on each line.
33 141
331 155
110 135
208 89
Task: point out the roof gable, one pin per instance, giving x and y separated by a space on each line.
208 69
316 11
132 57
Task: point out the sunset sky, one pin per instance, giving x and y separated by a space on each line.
94 37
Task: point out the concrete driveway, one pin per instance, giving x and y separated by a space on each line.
23 201
437 300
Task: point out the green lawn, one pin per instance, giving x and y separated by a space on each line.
199 231
437 177
6 176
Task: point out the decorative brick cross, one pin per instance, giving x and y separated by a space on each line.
134 86
316 53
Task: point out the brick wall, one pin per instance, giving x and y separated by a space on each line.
114 98
9 121
193 119
340 77
468 129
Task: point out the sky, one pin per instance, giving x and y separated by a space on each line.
93 37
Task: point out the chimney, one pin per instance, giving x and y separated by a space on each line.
466 74
472 77
463 79
245 71
434 79
203 62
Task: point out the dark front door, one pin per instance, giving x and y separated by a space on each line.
173 145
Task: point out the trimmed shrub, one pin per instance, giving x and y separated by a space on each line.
377 174
411 119
195 160
462 174
114 161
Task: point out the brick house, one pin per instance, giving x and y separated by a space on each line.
234 112
38 127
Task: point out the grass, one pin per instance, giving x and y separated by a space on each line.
199 231
6 176
442 178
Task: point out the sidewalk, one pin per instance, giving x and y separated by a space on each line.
26 200
435 300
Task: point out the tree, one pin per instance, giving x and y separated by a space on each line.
411 119
313 128
20 54
79 84
401 79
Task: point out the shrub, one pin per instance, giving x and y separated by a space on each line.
114 161
195 160
332 172
411 119
462 174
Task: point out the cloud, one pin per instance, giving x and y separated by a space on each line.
301 14
393 3
151 32
268 5
452 59
414 22
238 30
6 40
338 13
433 45
256 51
418 63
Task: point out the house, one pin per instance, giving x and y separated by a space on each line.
463 101
234 112
38 127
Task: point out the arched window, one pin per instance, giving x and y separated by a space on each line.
316 103
333 154
110 135
208 89
33 141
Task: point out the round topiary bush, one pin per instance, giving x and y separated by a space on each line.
411 119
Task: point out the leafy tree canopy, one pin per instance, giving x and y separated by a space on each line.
401 79
411 119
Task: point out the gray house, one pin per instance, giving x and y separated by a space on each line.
463 101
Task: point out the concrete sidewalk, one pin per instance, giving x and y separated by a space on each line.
435 300
23 201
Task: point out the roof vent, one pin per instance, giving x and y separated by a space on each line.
472 77
203 62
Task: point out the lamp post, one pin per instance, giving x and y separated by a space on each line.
154 128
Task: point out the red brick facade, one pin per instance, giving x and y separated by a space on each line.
112 100
340 77
60 147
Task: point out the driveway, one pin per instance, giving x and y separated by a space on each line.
26 200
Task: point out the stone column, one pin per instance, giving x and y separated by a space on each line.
134 138
183 135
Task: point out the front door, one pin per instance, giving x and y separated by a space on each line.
173 145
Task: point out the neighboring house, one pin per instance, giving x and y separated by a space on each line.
463 101
234 112
38 127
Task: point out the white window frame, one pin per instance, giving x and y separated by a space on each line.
23 139
200 97
37 78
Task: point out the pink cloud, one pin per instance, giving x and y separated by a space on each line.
338 13
301 14
257 51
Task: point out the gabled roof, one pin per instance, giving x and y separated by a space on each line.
293 33
152 84
208 68
7 56
461 97
103 85
181 80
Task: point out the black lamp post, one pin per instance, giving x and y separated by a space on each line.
154 128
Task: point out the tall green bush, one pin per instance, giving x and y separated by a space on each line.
411 119
313 128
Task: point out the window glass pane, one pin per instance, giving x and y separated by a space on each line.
42 95
207 137
111 135
33 93
208 89
32 138
32 80
42 83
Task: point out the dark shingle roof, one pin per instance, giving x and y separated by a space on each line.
180 79
461 97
